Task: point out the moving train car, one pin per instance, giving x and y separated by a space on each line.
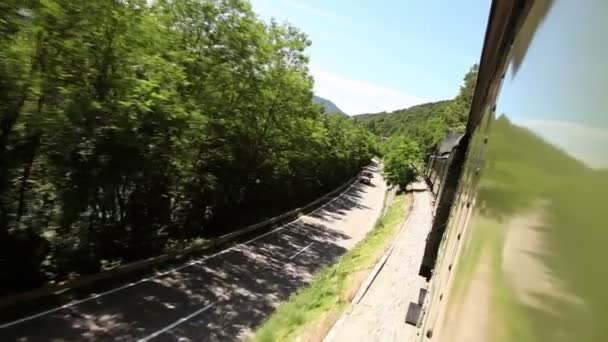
520 250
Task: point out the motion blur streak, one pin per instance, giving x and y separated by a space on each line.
524 249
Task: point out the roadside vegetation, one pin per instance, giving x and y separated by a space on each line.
128 127
312 311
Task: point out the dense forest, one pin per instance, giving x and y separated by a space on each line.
412 134
127 126
403 121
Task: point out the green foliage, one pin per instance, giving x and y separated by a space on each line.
402 161
404 121
128 126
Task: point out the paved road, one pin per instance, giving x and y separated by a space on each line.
217 297
380 315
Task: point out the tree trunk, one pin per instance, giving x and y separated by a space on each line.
27 171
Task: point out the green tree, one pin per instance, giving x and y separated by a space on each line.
127 125
457 112
402 161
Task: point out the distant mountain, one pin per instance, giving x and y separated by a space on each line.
330 107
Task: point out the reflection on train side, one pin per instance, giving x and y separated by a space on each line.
529 255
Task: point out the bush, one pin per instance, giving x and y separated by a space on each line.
402 161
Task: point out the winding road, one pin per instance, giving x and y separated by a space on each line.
217 297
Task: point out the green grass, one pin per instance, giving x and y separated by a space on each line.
313 309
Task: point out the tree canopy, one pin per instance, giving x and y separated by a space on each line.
126 126
401 161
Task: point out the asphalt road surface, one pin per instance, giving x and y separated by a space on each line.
218 297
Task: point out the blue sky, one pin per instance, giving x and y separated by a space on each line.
370 56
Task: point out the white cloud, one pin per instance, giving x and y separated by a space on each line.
357 96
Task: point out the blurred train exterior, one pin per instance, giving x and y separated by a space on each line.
437 164
443 168
521 199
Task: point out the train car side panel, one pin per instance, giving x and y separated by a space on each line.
523 257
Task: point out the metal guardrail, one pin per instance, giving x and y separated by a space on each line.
53 289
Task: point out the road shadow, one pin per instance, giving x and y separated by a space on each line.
341 206
244 285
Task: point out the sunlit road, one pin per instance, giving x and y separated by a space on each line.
217 297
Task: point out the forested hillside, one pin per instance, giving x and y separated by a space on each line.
128 126
427 123
403 121
414 132
328 106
